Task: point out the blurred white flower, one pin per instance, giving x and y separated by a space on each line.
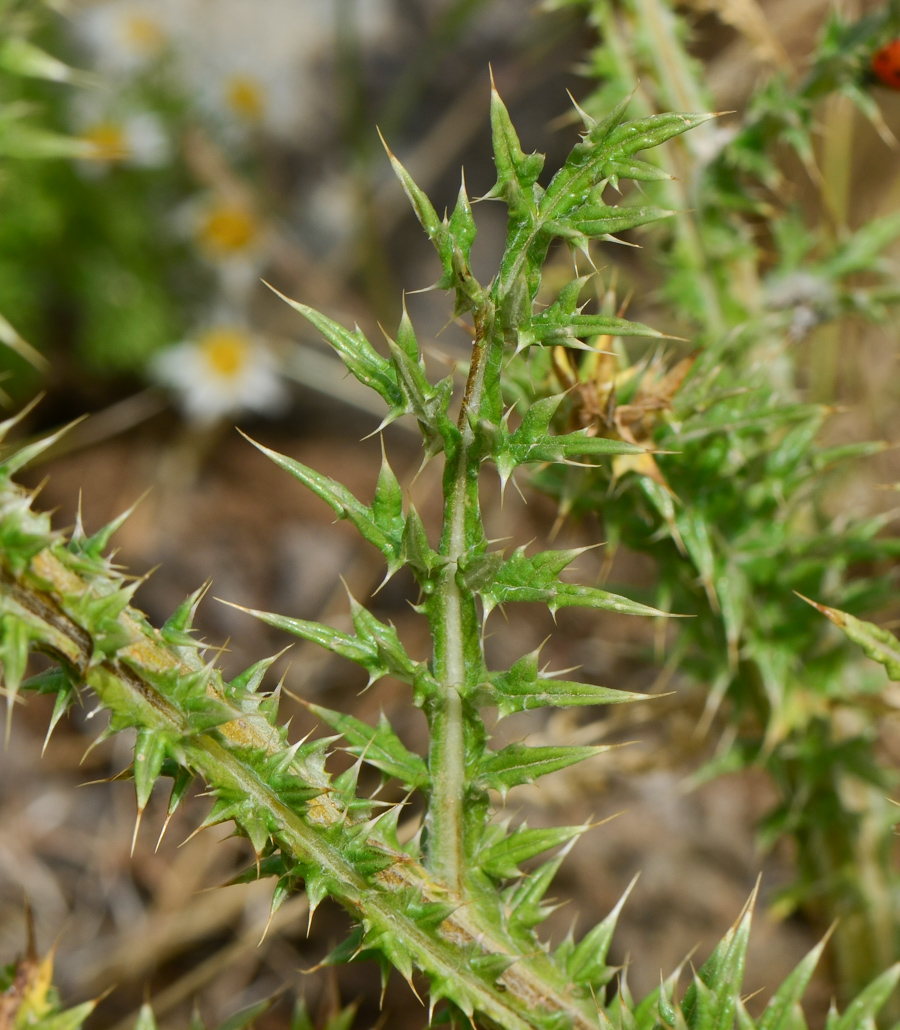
139 140
223 372
231 236
123 36
248 65
259 65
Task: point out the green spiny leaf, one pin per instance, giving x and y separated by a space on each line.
379 746
572 330
70 1019
710 1000
519 763
360 357
523 900
523 687
415 550
387 504
362 652
250 680
343 503
517 172
879 644
536 579
778 1012
865 1006
428 403
20 457
149 753
587 963
15 642
383 638
424 209
146 1020
502 859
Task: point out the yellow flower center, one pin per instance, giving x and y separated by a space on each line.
142 34
225 351
245 97
228 229
108 140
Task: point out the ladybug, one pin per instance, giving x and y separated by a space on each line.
886 64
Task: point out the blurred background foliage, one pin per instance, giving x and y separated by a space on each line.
173 153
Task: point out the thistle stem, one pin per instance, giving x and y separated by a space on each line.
522 995
456 611
680 93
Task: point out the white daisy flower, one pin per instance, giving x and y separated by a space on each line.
259 66
139 140
231 237
123 36
222 372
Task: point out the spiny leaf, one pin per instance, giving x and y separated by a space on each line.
252 821
250 680
415 550
611 140
146 1020
19 56
519 763
536 579
877 643
430 914
93 547
383 638
360 357
523 687
196 694
571 330
20 457
15 642
427 402
176 629
502 859
387 504
636 170
379 746
70 1019
532 441
517 172
344 644
149 753
422 206
523 901
778 1012
711 998
97 609
866 1005
372 528
451 238
19 139
588 961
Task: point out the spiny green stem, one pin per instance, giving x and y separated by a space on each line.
447 755
677 87
517 1000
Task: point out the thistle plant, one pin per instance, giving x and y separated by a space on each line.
29 1001
733 504
454 902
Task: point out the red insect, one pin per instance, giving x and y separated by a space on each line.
886 64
